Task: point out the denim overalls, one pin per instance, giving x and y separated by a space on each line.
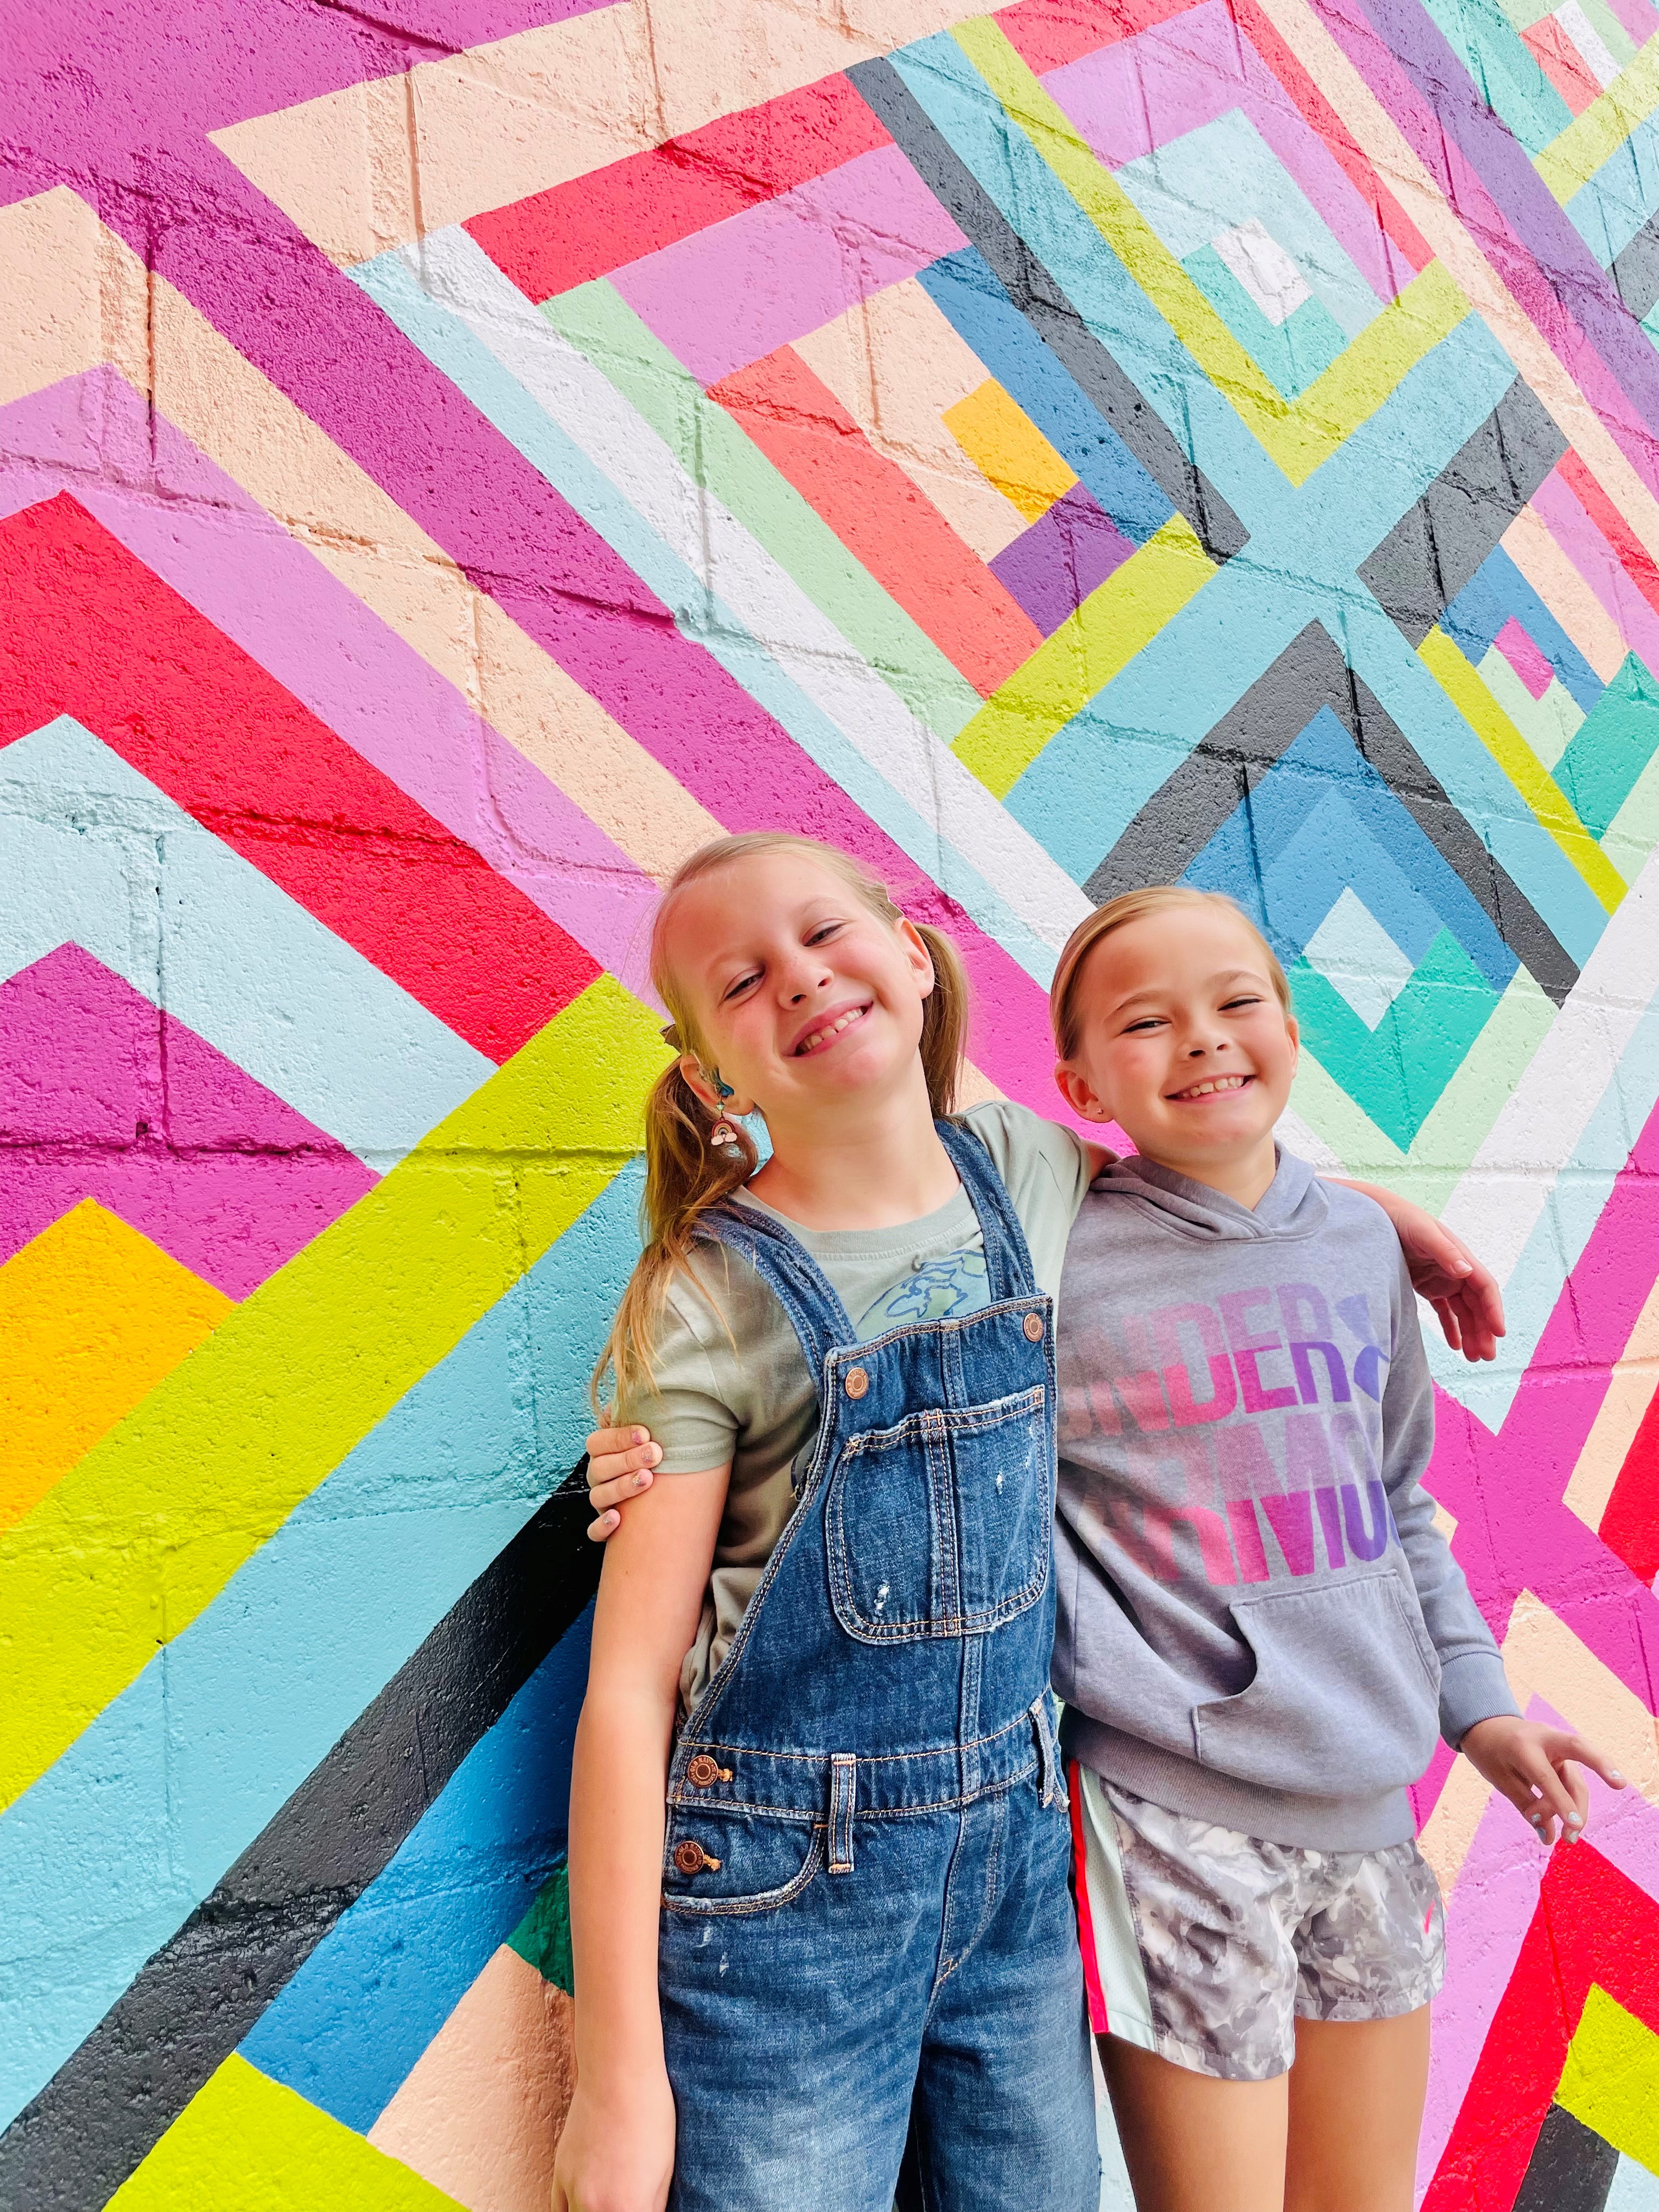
865 1880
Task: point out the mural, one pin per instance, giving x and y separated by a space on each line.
455 458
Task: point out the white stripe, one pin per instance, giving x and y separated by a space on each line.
1117 1948
708 538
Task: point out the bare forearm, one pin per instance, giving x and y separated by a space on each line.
616 1878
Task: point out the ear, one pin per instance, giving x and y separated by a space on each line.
696 1080
1075 1089
916 953
1292 1026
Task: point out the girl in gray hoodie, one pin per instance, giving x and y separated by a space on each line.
1262 1631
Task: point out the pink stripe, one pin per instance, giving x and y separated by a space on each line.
728 294
279 604
1524 658
1130 98
1098 2019
104 1095
1573 531
1639 21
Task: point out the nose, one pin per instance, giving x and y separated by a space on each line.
805 974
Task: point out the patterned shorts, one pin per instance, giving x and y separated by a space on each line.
1207 1945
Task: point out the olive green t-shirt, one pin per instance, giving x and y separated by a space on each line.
731 1382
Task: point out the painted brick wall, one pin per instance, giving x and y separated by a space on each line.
457 457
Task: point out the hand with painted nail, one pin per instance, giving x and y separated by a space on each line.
619 1466
1539 1769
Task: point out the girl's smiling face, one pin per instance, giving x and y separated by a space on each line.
1183 1042
799 995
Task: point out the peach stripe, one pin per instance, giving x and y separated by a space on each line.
1630 1389
480 2115
1531 547
896 365
79 298
1386 147
505 120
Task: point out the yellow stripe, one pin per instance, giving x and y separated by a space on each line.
133 1542
245 2144
1084 654
1611 2079
1008 449
1462 684
1299 434
1569 161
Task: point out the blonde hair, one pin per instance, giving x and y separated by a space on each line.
685 1175
1065 992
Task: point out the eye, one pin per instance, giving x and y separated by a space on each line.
1235 1006
1147 1021
736 990
824 931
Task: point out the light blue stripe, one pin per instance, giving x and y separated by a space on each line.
1110 302
115 1846
1634 2188
92 854
1565 1228
1611 207
700 615
348 2030
1503 75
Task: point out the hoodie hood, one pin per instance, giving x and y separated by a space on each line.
1293 1205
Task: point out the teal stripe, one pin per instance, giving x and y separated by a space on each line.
1506 75
711 448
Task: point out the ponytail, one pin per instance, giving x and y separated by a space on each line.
685 1175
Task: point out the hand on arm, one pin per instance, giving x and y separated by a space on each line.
616 2153
1464 1293
621 1463
1537 1769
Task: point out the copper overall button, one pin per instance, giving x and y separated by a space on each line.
1034 1328
857 1383
702 1771
691 1858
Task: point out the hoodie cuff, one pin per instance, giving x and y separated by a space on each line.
1473 1687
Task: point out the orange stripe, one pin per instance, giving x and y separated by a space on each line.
1085 1918
881 517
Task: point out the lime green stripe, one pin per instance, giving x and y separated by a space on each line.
716 453
245 2144
1297 436
1570 161
140 1536
1611 2079
1084 654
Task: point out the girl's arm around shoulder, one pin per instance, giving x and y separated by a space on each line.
616 2153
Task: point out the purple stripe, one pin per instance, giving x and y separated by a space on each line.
1052 568
104 1095
1557 506
1129 99
280 606
1510 213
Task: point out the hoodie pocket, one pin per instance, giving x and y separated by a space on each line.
1344 1701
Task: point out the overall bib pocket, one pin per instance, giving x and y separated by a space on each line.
1345 1698
940 1525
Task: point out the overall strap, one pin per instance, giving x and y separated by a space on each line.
1008 1266
790 1272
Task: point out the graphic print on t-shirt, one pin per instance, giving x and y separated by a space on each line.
1250 1433
943 1289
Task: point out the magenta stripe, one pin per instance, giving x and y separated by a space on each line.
104 1095
728 294
1129 99
1508 210
218 549
1505 1491
1558 505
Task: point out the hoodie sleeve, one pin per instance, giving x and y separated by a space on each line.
1473 1684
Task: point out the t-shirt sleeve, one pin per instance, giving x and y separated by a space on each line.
1044 1164
689 1412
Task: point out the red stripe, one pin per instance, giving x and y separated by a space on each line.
1085 1918
1630 1524
596 224
1048 34
1592 1924
88 631
881 517
1634 558
1561 62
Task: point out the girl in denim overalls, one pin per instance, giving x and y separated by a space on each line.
819 1868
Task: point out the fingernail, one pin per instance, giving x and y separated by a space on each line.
1615 1778
641 1481
1575 1819
641 1436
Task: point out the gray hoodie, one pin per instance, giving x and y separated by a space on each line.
1260 1623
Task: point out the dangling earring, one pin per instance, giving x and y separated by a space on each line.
723 1138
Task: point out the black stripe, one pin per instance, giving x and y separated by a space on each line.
1041 301
1571 2169
1218 776
1438 543
192 2002
1636 270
